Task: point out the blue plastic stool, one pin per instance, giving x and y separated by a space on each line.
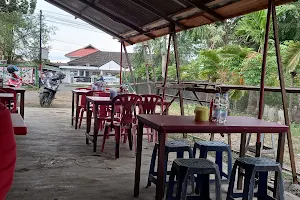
219 148
253 166
171 146
184 169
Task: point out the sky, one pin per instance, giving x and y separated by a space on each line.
72 34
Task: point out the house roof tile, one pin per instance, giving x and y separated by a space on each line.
82 52
100 58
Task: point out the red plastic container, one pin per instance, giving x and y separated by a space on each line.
7 151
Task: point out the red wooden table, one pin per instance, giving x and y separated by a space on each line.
76 93
7 96
18 124
185 124
20 91
96 101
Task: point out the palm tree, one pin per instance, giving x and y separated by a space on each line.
292 63
252 27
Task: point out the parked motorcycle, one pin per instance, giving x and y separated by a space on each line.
50 88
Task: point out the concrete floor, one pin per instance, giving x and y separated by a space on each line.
54 163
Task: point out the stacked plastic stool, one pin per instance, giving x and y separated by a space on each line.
253 166
219 148
184 169
171 146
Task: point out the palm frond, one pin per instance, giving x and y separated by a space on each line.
292 57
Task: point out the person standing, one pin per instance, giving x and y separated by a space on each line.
99 85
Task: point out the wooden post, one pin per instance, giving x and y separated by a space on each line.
177 70
283 94
121 64
166 67
130 68
151 61
147 68
262 79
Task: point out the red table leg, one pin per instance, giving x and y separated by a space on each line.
160 186
72 122
138 156
88 120
77 111
22 101
96 128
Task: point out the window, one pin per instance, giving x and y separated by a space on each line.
81 73
75 72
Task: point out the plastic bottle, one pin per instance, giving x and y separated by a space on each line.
224 108
216 108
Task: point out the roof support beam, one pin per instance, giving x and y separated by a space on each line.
204 8
158 13
93 1
63 7
116 18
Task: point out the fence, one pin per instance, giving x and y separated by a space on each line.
244 104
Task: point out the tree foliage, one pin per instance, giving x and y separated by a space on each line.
21 6
292 57
230 52
20 30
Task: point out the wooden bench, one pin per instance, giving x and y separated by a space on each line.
18 124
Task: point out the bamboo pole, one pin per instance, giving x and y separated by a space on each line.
263 75
283 96
166 67
130 67
147 67
121 64
177 63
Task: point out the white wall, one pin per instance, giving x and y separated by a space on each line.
67 79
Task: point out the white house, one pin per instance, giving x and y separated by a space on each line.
89 67
90 72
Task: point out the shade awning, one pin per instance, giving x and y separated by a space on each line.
135 21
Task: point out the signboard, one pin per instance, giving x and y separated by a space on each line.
27 74
45 54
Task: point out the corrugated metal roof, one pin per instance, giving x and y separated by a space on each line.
135 21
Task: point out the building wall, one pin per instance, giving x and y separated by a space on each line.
70 73
67 79
109 69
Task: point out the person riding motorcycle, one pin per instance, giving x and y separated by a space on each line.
50 88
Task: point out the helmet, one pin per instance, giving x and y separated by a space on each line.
101 78
60 75
12 68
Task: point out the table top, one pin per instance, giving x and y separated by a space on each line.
18 124
81 91
18 90
99 100
7 95
187 124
